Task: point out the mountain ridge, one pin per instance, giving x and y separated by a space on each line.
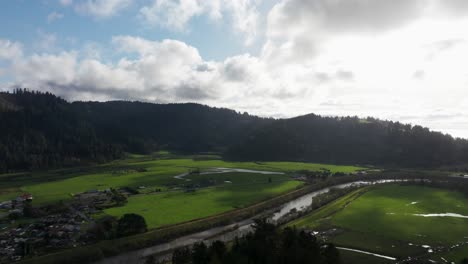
41 130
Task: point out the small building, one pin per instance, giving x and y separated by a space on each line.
6 205
24 197
27 197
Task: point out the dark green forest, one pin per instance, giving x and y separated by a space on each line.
351 140
42 131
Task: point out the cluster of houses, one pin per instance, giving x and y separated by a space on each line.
52 230
46 234
93 197
100 199
15 206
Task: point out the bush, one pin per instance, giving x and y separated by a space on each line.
181 256
14 215
131 224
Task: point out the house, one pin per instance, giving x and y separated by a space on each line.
6 205
92 194
24 197
27 197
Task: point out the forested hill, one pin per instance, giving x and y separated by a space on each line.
350 140
40 131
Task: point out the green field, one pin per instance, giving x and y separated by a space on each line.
383 220
174 207
358 258
455 255
225 192
49 187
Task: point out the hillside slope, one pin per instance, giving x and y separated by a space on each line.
46 131
350 140
40 131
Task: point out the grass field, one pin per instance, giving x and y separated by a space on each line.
456 255
49 187
59 185
174 207
157 172
382 219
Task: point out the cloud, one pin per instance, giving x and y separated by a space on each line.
447 44
66 2
175 15
37 70
46 41
298 29
419 74
245 18
54 16
241 68
344 15
162 71
451 7
345 75
441 46
331 57
167 71
173 71
161 50
102 8
10 50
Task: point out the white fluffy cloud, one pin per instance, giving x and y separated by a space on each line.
171 71
45 68
168 70
10 50
66 2
176 14
102 8
403 61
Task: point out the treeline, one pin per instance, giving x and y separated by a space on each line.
457 184
268 244
40 131
351 140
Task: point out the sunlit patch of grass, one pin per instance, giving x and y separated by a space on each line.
383 219
53 186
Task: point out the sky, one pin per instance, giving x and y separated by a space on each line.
401 60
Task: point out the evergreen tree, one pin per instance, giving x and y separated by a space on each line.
131 224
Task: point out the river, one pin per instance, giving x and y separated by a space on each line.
221 170
228 232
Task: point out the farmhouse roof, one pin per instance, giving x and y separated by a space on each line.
27 196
